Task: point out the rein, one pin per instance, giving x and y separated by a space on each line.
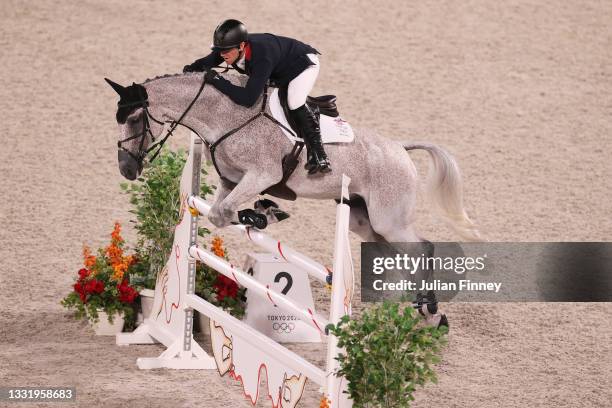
212 147
288 165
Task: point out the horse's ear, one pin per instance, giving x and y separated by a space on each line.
118 88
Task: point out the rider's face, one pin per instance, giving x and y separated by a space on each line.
231 56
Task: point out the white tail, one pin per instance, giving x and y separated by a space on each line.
446 190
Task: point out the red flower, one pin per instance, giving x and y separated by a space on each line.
90 286
98 286
94 286
225 287
83 273
127 294
78 288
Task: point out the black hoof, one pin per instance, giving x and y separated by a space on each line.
320 168
311 167
250 217
280 215
264 204
443 321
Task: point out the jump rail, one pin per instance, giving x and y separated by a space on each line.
270 244
247 281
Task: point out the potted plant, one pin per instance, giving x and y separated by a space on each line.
155 200
102 293
387 353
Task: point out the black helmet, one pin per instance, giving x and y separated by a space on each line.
229 34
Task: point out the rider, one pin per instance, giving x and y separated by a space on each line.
285 61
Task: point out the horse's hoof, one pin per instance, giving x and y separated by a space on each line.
250 217
443 322
325 168
280 215
322 167
311 168
264 204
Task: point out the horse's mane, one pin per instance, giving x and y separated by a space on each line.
230 76
169 76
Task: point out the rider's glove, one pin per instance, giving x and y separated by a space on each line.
189 68
210 75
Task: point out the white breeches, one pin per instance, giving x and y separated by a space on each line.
301 85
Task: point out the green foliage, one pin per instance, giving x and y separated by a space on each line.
387 354
155 198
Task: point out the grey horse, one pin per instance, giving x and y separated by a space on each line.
383 177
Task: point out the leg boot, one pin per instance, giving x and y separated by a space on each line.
307 122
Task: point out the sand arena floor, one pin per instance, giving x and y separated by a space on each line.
520 92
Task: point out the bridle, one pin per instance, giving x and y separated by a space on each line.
146 129
143 103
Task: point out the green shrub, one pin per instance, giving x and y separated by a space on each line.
155 198
387 354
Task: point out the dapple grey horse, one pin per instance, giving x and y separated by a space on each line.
383 177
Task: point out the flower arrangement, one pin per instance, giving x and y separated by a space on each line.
217 288
103 283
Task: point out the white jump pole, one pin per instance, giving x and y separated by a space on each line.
341 300
244 279
269 244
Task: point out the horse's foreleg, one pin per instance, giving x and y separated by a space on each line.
224 211
222 192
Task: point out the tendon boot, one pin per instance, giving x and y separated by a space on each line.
317 160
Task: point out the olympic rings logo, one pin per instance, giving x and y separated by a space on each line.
283 327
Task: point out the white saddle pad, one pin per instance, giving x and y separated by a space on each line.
333 130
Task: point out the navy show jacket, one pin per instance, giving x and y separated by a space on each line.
267 56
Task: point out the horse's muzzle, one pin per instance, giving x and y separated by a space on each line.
128 166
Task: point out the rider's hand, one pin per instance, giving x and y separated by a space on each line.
210 75
189 68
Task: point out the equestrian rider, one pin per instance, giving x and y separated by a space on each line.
285 61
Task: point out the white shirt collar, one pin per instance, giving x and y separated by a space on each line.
241 62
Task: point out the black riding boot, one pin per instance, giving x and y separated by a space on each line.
317 159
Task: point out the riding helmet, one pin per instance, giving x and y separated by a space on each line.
229 34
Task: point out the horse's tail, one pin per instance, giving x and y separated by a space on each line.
445 188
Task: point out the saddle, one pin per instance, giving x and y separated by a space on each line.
320 105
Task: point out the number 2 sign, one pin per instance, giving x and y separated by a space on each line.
285 278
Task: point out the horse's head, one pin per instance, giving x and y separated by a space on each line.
138 129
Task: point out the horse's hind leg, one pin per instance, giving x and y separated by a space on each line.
393 221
